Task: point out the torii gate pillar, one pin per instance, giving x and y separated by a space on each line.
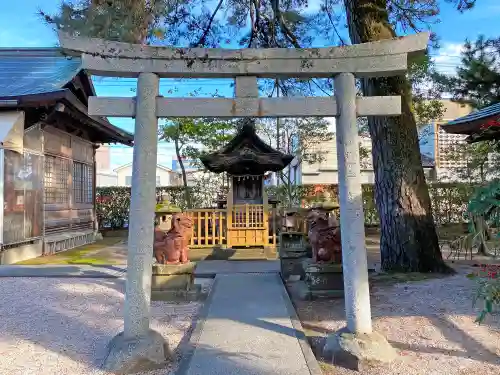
139 348
357 342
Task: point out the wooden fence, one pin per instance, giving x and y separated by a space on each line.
248 226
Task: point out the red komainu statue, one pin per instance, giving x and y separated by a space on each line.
172 247
324 236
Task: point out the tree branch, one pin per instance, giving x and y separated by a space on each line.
342 42
409 15
203 37
316 83
254 18
283 26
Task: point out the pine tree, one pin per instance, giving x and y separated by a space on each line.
478 77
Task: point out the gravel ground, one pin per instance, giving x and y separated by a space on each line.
430 322
62 326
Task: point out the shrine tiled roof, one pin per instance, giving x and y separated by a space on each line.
483 124
28 71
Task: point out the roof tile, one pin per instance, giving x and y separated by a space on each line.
486 112
35 71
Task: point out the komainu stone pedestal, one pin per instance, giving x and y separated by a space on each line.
292 251
174 282
358 351
138 354
322 280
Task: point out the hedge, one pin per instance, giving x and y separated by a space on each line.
449 201
113 203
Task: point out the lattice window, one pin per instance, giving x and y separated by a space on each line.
78 182
447 143
56 179
83 177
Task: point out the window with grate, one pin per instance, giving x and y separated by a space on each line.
82 183
56 179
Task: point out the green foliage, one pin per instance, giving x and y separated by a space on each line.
288 195
192 138
449 201
485 202
196 136
426 106
483 213
275 23
132 21
487 291
484 208
113 204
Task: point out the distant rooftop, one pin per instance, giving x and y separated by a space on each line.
480 125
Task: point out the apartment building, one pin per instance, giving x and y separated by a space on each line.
326 170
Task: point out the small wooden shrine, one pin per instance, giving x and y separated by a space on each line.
246 158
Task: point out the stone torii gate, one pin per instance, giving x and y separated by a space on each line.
149 64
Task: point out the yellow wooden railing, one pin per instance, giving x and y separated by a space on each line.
248 216
248 225
210 226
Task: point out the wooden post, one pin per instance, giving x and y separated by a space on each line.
229 213
265 212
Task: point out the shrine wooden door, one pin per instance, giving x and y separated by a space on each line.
248 226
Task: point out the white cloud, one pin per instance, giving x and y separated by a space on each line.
448 57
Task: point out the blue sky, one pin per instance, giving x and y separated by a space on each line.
22 27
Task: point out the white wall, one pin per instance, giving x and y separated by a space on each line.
164 177
104 179
125 176
326 171
332 177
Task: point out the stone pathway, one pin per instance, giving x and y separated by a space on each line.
249 327
213 267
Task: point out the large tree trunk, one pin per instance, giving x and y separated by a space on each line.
409 242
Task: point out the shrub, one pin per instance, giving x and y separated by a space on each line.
488 290
449 201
